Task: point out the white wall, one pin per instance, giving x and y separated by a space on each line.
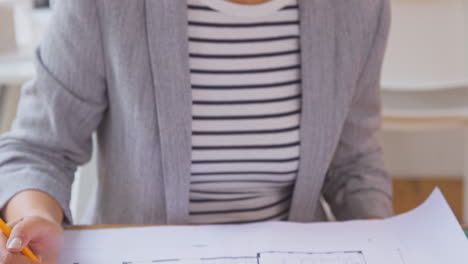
428 42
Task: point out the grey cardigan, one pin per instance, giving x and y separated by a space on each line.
120 67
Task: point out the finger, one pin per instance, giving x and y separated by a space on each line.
23 232
12 224
11 258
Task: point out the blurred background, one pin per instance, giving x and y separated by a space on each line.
424 91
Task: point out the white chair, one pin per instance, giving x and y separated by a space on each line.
425 77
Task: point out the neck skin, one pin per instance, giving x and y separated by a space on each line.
248 2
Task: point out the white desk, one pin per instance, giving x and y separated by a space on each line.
16 70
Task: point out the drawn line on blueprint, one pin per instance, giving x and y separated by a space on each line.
257 257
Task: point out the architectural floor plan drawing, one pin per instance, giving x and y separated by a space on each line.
404 239
273 257
214 260
351 257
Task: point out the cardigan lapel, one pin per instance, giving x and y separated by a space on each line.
168 49
324 104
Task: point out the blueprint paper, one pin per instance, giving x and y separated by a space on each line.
429 234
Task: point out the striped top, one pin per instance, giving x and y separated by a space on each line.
245 76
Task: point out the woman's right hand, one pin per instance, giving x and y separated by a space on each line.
43 236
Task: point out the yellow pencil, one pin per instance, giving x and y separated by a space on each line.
26 251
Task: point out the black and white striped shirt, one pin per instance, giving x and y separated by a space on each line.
245 76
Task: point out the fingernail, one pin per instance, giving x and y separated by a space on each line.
14 243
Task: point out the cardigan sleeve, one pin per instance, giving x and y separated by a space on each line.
356 185
58 110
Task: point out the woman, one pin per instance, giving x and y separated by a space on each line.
214 111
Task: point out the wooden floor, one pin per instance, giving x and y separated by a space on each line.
409 193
